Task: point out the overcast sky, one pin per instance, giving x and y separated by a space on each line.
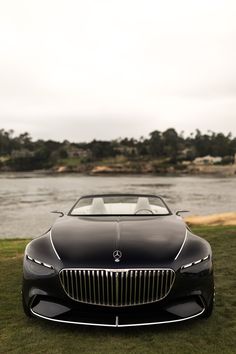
102 69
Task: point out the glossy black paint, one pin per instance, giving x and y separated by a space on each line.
145 242
90 241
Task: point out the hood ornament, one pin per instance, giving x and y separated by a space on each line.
117 254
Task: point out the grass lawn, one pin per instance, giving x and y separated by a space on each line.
19 334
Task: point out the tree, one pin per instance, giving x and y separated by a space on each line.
170 142
155 144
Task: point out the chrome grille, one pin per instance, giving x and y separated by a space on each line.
117 287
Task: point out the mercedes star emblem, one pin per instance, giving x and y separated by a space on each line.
117 255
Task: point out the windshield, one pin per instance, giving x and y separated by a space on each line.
120 205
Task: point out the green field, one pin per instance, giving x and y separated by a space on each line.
19 334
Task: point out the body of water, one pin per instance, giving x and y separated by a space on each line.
26 199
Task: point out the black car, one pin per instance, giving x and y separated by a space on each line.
118 260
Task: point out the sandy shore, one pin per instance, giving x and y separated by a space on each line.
215 219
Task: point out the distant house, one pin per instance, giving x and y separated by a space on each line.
78 152
207 160
126 150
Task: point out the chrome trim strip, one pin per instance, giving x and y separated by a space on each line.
54 249
117 270
185 237
117 321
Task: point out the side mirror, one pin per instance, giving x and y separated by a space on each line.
178 212
58 212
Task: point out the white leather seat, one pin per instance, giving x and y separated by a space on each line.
142 203
98 206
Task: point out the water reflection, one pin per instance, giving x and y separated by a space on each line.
27 199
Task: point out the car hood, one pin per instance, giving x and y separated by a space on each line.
143 241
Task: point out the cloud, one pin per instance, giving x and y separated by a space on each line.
112 69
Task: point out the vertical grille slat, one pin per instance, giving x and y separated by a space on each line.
107 283
135 286
162 282
72 283
148 283
158 278
85 287
167 279
153 284
80 286
94 288
126 289
112 289
117 287
98 286
89 286
130 287
139 292
144 285
103 287
67 283
121 289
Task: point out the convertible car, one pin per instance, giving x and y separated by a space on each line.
118 260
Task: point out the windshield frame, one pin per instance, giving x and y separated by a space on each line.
119 195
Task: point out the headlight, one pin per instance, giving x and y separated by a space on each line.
34 267
195 262
39 262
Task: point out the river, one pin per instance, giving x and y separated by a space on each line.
26 199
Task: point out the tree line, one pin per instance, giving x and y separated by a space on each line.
21 152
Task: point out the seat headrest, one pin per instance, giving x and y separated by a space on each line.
142 203
98 206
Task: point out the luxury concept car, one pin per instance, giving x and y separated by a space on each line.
118 260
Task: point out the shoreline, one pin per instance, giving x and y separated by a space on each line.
204 172
193 226
221 219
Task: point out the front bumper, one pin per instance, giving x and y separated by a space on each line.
189 297
170 312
